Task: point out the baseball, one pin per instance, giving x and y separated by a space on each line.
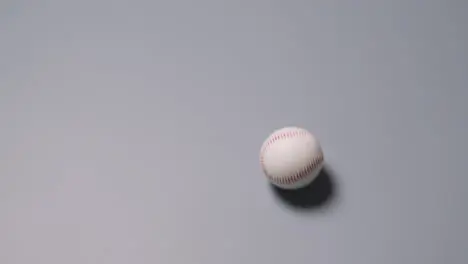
291 158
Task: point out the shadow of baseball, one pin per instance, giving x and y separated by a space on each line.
318 194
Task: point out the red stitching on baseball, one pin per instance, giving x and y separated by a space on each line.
315 163
301 174
284 135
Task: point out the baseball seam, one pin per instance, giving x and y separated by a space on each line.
300 174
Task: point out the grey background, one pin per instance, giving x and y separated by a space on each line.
130 130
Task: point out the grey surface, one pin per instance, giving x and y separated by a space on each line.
130 130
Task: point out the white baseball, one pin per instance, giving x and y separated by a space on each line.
291 157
